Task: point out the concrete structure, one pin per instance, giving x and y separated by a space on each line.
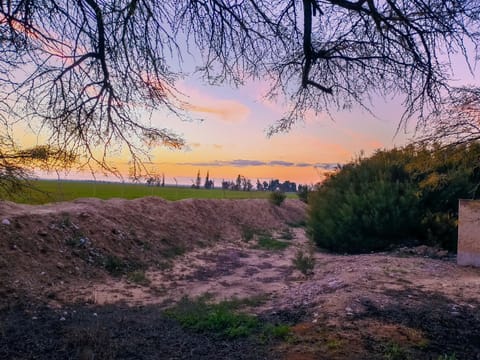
469 232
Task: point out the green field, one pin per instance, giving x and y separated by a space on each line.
53 191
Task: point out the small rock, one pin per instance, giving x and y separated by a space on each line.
43 273
42 232
348 309
95 314
6 222
34 318
62 319
84 215
60 265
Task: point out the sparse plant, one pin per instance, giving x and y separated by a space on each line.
221 319
269 243
304 262
277 197
114 265
224 319
280 332
297 224
248 233
448 357
394 351
138 277
286 234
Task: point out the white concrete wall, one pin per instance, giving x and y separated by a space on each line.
469 232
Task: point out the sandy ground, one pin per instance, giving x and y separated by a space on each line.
389 305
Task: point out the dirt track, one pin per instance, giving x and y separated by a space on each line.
384 306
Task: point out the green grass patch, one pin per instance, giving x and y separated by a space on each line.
222 319
53 191
269 243
225 319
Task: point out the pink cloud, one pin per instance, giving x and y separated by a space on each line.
226 110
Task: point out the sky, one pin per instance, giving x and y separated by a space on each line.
231 139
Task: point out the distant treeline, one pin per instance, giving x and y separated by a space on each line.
241 183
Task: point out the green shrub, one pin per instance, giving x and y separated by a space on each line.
393 197
277 197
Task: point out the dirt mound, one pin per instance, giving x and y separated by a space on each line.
42 247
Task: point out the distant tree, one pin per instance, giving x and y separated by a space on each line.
248 185
163 179
238 183
198 180
265 186
209 184
259 186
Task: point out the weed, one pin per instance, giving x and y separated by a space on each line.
394 352
66 222
114 265
281 332
448 357
224 319
269 243
221 318
297 224
248 233
303 262
333 344
286 234
277 197
77 240
138 277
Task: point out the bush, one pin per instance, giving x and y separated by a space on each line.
304 263
302 193
394 196
277 197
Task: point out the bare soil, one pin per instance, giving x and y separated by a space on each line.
67 291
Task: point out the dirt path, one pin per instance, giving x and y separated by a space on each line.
351 307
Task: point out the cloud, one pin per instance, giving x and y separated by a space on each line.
326 166
226 110
246 163
303 165
280 163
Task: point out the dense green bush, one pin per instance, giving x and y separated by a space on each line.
393 197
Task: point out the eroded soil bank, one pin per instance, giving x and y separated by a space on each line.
92 279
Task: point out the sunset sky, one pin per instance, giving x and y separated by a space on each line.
232 139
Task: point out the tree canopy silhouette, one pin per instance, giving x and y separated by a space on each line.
87 71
